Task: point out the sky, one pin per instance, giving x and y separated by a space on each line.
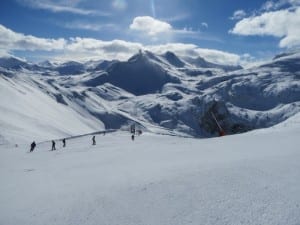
222 31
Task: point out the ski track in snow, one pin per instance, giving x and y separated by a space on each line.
251 178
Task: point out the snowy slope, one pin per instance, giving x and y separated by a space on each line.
160 93
247 179
27 113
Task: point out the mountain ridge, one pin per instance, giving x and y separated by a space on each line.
149 90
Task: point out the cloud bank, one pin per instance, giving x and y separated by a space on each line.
10 40
82 49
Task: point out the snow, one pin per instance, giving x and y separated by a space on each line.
251 178
27 113
164 176
164 92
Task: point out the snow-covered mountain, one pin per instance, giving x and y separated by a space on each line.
161 93
11 63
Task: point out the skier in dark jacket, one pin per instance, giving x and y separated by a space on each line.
132 137
94 140
32 146
53 146
64 142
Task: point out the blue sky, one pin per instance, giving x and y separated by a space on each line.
223 31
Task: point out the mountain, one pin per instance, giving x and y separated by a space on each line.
47 64
71 68
12 63
104 64
164 176
160 93
173 59
139 75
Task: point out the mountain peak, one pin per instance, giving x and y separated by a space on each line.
12 62
141 74
143 56
173 59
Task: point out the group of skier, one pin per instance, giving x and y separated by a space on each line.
53 148
53 144
134 132
33 145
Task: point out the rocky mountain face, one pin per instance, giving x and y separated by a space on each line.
162 93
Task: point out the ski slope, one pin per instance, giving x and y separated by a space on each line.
252 178
28 113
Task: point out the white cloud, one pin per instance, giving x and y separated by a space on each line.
4 53
177 17
238 14
284 24
269 5
217 56
191 50
185 31
10 40
89 48
279 4
150 26
82 49
61 6
83 25
119 4
203 24
178 48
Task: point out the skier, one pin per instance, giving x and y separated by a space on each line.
132 128
32 146
132 137
94 141
64 142
53 146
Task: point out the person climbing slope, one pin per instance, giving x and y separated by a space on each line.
53 146
64 142
94 140
32 146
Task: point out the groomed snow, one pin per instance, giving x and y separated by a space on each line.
251 178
